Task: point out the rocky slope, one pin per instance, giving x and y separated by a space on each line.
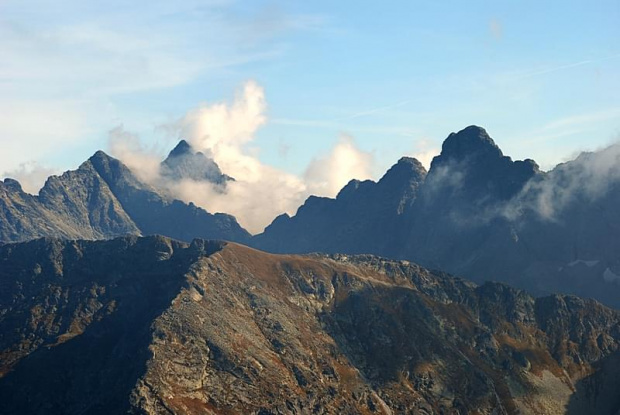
103 199
149 325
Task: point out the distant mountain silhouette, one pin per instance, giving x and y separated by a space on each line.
479 214
476 213
104 199
363 218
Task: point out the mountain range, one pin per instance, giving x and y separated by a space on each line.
103 199
475 213
112 301
153 325
478 214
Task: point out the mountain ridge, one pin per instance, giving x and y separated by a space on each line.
475 213
224 327
102 198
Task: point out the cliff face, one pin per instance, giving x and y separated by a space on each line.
103 199
155 326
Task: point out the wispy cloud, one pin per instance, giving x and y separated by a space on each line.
66 65
496 28
557 68
568 126
373 111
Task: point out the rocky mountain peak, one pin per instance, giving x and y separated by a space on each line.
182 148
184 162
100 156
472 141
12 185
100 162
406 170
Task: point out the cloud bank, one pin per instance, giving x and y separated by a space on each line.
589 177
260 192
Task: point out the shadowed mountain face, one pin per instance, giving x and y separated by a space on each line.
479 214
185 163
363 218
103 199
149 325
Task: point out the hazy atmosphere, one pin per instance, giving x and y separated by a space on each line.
309 207
379 81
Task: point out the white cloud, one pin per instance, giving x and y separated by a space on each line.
68 66
328 174
142 160
31 176
425 151
588 177
223 131
260 192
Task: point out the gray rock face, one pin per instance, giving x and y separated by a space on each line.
150 325
103 199
184 162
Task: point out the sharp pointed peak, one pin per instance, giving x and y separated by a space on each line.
181 149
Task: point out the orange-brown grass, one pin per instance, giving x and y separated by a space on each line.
539 358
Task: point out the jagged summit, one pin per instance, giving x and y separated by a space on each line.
181 149
405 170
184 162
99 158
12 185
103 199
100 154
472 141
410 160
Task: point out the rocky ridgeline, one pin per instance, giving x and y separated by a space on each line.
479 214
475 213
103 199
150 325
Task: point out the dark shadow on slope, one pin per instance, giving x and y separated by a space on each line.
95 372
598 393
389 333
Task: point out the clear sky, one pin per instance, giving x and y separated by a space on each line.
543 77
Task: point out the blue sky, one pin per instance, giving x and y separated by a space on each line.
397 77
